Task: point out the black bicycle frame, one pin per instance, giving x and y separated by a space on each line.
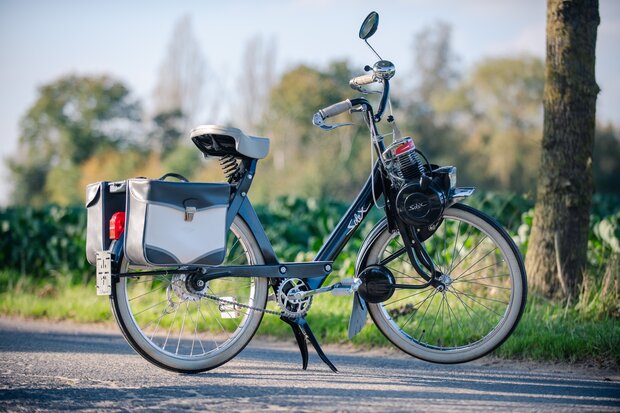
315 272
342 233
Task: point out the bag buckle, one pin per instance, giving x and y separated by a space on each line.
189 213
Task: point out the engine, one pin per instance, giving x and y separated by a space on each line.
422 193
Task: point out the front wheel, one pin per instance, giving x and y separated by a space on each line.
484 295
176 327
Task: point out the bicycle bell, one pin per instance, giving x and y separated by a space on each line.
384 69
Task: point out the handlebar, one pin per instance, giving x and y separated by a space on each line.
358 81
382 72
384 99
336 109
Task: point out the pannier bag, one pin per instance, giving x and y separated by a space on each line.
175 223
103 199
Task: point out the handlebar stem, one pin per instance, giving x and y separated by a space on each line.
371 120
384 99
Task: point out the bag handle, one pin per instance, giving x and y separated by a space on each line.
173 175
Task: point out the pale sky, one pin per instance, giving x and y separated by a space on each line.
42 40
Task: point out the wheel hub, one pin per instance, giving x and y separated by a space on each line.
186 288
442 283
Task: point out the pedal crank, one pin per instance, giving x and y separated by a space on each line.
345 287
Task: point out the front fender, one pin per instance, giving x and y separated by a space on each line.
359 309
362 255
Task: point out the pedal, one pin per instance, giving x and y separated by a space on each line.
104 273
346 287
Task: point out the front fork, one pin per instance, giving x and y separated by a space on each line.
418 256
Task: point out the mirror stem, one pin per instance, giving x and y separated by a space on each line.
374 51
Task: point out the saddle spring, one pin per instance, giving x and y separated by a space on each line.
231 168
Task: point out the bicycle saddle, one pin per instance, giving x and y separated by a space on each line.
213 140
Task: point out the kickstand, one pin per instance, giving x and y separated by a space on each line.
301 340
300 328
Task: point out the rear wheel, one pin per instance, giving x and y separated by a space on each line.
483 299
173 326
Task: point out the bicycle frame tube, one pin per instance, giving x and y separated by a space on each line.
338 238
350 221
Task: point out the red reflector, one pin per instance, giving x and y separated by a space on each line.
117 225
405 147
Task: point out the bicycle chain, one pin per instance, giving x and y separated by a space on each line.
236 304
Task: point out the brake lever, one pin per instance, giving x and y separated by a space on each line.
317 120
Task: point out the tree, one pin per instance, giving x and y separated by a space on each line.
71 119
166 131
436 75
434 61
181 83
303 158
255 82
498 107
556 258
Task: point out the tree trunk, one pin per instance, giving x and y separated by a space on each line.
556 258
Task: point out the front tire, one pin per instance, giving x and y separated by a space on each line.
176 329
482 303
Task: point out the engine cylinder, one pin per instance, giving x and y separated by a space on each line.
403 161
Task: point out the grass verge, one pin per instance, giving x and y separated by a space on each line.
548 331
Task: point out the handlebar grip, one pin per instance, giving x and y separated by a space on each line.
336 109
362 80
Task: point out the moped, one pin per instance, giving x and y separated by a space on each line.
441 280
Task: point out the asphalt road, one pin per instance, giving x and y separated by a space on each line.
47 366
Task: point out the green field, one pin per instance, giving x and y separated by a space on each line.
44 274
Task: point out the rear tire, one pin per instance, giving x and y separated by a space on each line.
482 303
173 328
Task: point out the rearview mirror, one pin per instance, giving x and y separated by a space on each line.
369 27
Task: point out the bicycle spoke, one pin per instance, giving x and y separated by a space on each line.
476 263
195 336
163 313
170 329
456 242
406 275
404 298
467 255
486 285
424 315
217 346
480 269
430 333
417 309
468 308
471 297
393 256
148 308
485 278
148 292
182 326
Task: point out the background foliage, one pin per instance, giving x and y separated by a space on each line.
485 118
38 242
